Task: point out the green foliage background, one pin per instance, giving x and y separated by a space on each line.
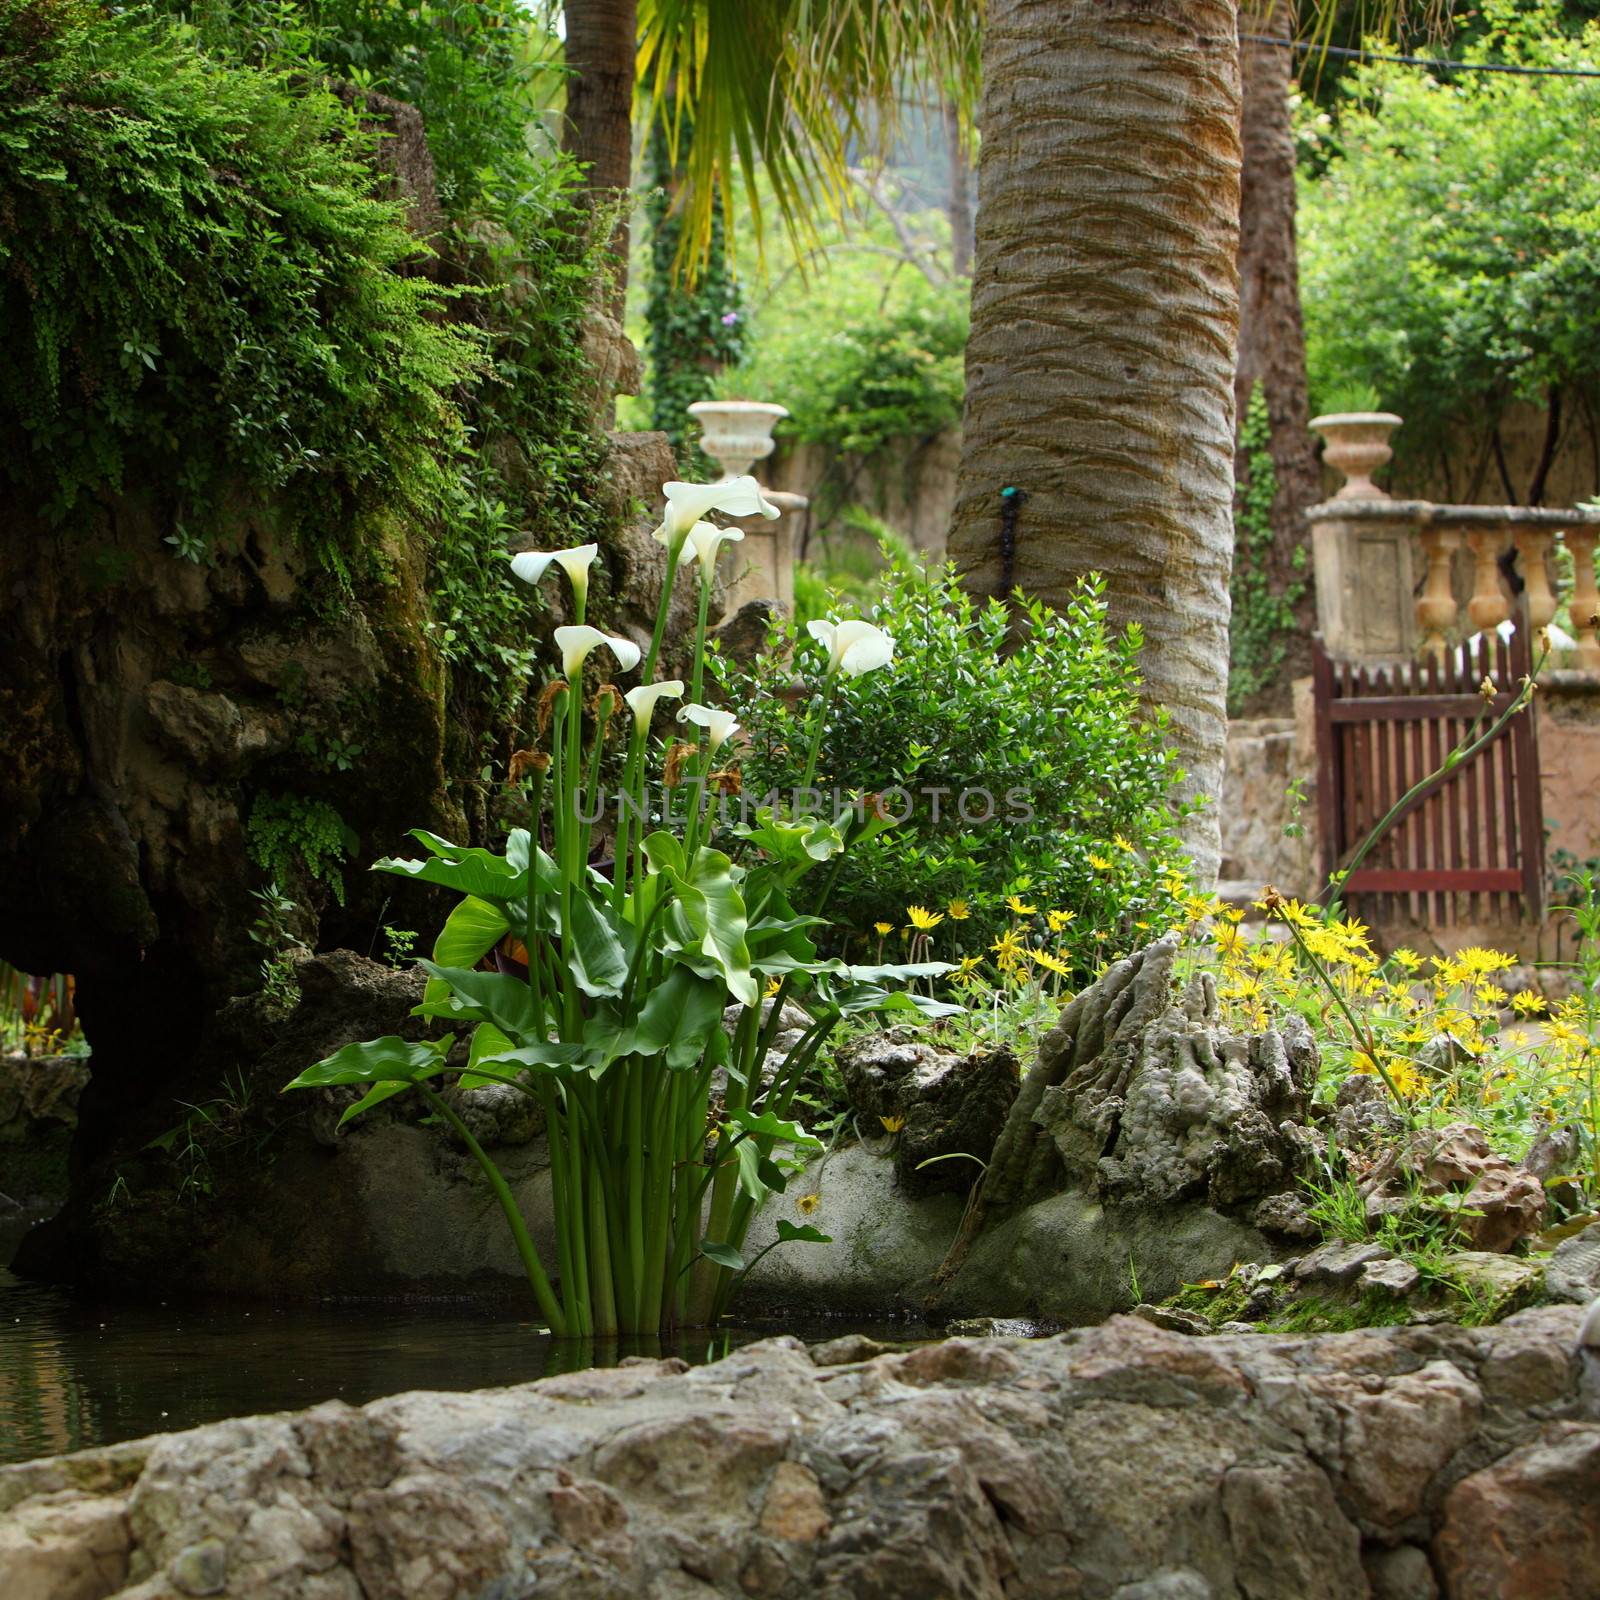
203 280
1450 243
195 274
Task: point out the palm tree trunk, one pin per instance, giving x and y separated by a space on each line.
1105 309
1272 345
601 41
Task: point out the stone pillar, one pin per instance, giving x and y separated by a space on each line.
1363 551
761 565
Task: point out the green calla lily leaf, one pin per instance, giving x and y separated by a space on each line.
862 997
770 1125
469 933
390 1059
481 997
747 1153
723 1254
594 952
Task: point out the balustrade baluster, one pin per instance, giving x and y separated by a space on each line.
1584 603
1436 606
1488 606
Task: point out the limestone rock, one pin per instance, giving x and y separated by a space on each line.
1402 1573
210 730
1394 1277
1117 1461
1338 1264
1502 1280
1364 1116
39 1089
1285 1214
1502 1203
1573 1272
1173 1318
497 1115
1184 1109
744 635
946 1105
1541 1506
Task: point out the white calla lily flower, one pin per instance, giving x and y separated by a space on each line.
531 566
642 701
719 725
853 647
707 540
689 503
575 643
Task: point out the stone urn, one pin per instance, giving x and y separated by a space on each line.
1357 443
736 433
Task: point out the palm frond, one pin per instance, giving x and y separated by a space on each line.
794 89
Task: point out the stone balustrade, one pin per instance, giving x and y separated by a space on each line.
1401 577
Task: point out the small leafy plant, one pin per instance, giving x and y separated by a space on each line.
602 997
1012 743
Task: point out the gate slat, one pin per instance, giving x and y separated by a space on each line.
1472 842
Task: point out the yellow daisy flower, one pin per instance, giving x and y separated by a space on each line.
807 1203
924 920
1020 906
883 929
1058 920
958 911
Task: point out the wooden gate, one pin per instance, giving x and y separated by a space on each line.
1469 847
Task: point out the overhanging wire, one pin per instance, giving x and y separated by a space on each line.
1437 63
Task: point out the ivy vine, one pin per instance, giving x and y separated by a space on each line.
695 329
1263 618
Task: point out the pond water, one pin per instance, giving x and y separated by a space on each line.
77 1370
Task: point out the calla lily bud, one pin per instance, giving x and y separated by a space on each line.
719 725
707 540
575 643
688 503
853 647
531 566
642 701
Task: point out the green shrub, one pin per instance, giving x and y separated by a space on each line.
1047 721
858 377
1450 250
517 235
194 274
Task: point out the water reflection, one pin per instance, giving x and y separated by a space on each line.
76 1371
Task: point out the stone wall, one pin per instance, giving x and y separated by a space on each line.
1115 1463
911 485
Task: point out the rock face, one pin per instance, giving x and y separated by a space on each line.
1141 1123
945 1106
1142 1096
1574 1270
38 1111
1109 1464
1189 1111
1502 1203
276 1201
